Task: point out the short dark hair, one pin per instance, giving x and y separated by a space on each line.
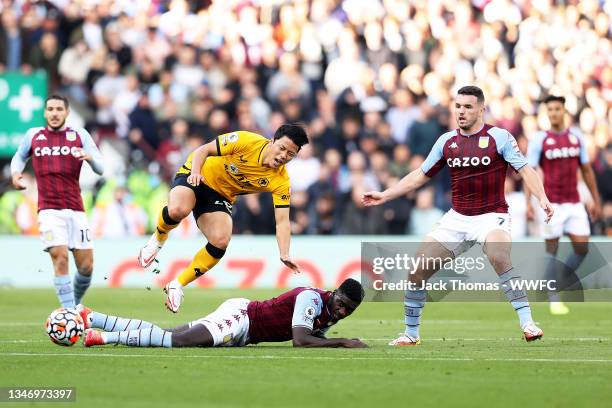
473 91
58 97
352 290
293 131
554 98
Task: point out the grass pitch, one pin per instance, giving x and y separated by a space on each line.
472 355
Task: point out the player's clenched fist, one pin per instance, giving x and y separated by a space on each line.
373 198
18 181
80 154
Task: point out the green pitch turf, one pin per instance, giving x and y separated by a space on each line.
472 355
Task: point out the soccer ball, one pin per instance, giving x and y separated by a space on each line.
64 326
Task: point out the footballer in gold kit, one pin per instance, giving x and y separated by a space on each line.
233 164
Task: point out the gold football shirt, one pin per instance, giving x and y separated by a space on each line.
238 169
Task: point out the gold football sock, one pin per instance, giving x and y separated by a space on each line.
202 262
165 224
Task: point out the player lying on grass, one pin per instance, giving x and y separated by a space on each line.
302 315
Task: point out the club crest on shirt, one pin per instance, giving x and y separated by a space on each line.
483 142
263 182
233 168
573 139
70 136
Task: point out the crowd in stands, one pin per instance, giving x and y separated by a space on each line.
372 80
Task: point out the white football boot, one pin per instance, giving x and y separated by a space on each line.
405 340
174 295
149 251
532 332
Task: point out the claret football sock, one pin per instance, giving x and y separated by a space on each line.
517 297
414 301
116 324
151 337
63 288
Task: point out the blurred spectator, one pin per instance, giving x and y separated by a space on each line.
46 56
400 166
357 219
425 130
169 152
304 169
74 65
124 103
144 131
424 215
288 78
254 214
105 90
118 218
116 48
14 43
402 114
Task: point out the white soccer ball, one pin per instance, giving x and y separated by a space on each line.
64 326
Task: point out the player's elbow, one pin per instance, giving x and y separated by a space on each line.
98 169
301 341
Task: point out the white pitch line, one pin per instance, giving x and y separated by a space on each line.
275 357
502 339
42 324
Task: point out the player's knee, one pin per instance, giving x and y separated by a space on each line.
499 259
85 268
219 240
178 212
195 336
581 250
60 260
418 277
181 341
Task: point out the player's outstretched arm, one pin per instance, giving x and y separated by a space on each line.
589 179
302 337
197 161
534 184
408 183
283 237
